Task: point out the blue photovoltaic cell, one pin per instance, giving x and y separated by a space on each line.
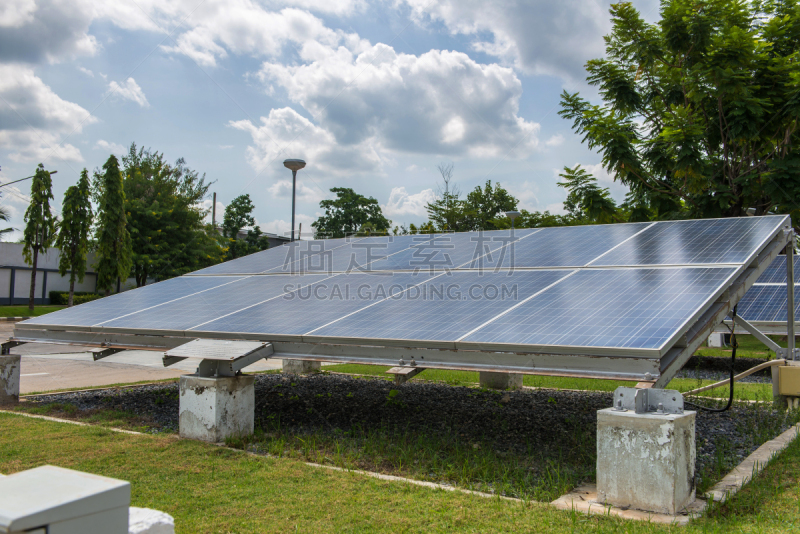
358 255
203 307
775 273
766 303
468 250
307 309
707 241
623 308
287 257
570 245
445 308
97 311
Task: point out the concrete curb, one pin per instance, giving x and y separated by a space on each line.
751 466
13 319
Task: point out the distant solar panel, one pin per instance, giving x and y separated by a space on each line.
766 301
624 300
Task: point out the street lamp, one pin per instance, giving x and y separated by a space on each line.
512 215
295 165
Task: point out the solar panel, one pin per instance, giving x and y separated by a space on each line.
97 311
625 291
766 301
199 308
589 309
444 308
706 241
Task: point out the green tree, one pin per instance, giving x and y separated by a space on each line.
485 206
586 201
114 256
40 224
73 232
238 215
348 213
165 217
483 209
700 111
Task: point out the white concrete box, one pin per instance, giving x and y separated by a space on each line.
63 501
646 461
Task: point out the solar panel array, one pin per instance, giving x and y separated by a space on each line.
766 300
628 286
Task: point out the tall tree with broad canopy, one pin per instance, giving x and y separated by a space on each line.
349 213
700 111
73 232
165 217
483 209
114 256
40 224
238 215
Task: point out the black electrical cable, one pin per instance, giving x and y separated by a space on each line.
734 344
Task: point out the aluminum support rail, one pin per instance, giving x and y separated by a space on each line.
774 347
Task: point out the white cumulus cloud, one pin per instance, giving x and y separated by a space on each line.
535 36
440 102
401 203
33 119
303 193
287 134
129 90
114 148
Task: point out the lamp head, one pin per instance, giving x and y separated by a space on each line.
512 214
294 164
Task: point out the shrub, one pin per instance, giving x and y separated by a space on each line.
79 297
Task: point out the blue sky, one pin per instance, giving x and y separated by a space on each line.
373 94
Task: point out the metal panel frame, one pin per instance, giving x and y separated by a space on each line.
660 364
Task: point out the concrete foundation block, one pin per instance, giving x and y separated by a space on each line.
504 381
9 380
148 521
301 367
646 461
214 408
717 339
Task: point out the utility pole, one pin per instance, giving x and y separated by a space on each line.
214 212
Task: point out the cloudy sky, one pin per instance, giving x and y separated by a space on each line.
372 94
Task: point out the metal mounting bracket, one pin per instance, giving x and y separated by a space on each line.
784 354
219 357
653 401
6 347
99 354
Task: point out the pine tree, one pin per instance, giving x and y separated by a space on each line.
114 259
40 224
73 234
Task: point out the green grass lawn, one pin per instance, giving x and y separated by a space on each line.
23 311
210 489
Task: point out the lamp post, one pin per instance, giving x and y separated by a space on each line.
512 215
295 165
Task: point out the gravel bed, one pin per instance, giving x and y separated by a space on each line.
557 424
755 378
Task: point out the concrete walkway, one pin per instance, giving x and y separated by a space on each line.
47 367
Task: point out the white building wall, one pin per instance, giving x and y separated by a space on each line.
11 259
